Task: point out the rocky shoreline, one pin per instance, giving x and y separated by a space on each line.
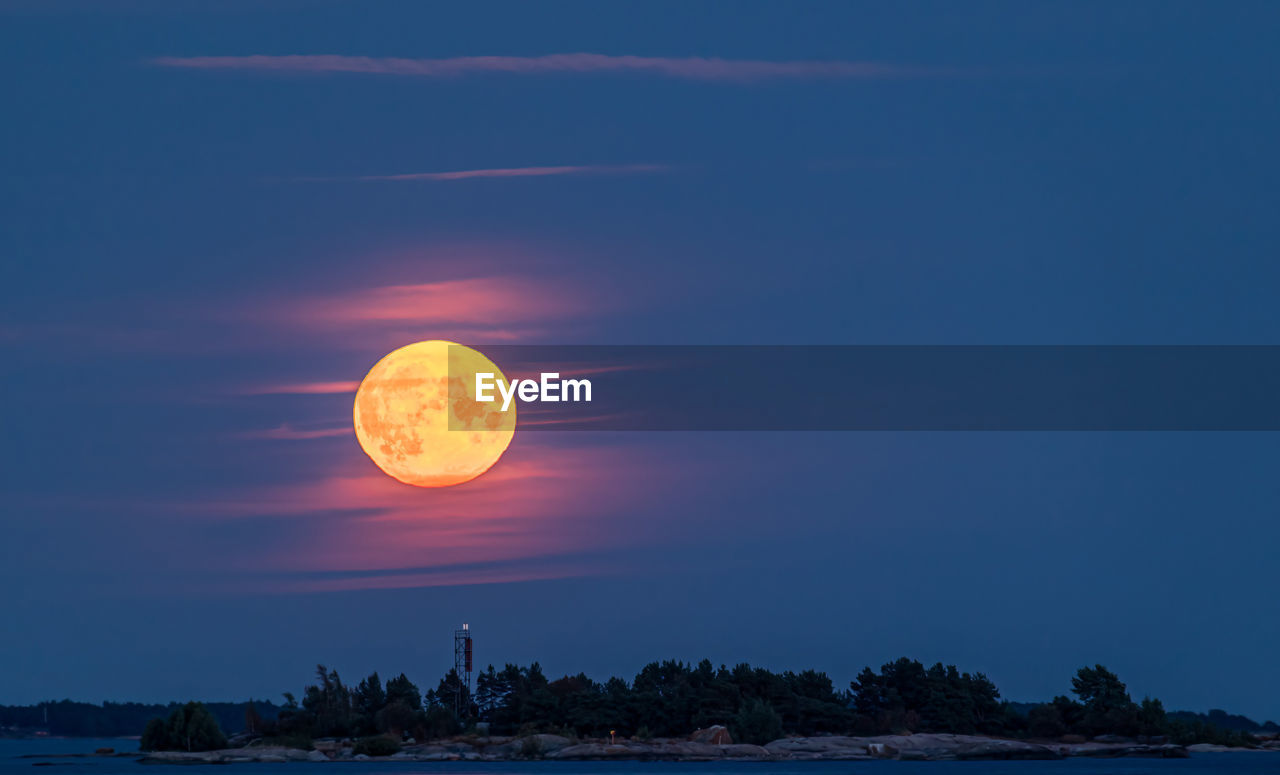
707 745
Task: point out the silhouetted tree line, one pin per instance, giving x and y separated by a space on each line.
905 695
669 699
330 708
114 719
189 728
1224 720
665 699
1104 707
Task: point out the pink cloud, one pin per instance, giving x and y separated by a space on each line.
541 512
486 303
478 292
305 388
693 68
444 578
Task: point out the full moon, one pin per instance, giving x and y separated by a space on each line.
417 417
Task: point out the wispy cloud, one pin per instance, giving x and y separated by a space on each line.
691 68
544 512
288 432
304 389
538 568
477 301
514 172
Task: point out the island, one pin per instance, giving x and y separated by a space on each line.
673 710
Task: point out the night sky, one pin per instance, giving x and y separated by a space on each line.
216 216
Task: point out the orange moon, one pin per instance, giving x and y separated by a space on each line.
417 417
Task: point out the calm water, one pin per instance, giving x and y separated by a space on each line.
12 763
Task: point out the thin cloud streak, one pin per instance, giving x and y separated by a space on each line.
477 301
540 568
287 432
542 512
690 68
513 172
426 580
305 389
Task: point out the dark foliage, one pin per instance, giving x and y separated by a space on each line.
757 722
1226 721
189 728
370 709
666 699
378 745
1104 707
905 696
117 719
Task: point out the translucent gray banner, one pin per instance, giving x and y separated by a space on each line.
896 388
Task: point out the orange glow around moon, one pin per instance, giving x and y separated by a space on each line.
416 415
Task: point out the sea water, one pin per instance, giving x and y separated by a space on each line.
54 756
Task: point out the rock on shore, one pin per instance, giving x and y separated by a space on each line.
919 747
234 755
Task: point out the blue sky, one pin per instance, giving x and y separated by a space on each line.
199 236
